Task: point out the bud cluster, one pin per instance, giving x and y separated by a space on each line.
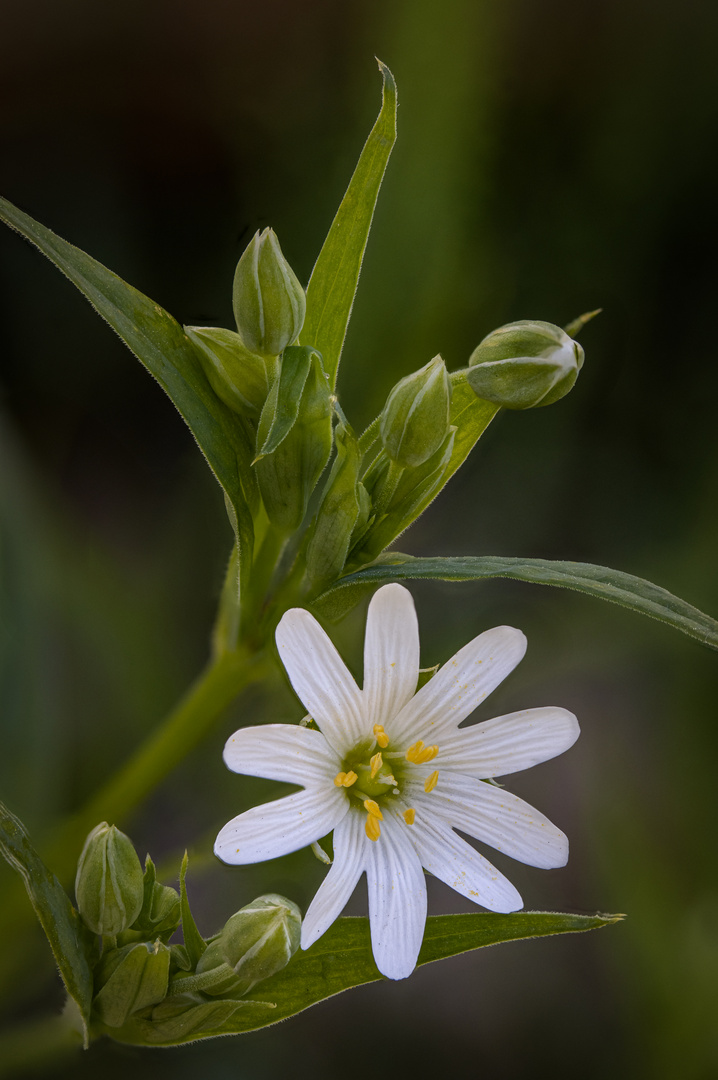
163 990
281 398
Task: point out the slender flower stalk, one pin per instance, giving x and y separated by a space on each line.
392 774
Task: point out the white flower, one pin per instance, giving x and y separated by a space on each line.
393 774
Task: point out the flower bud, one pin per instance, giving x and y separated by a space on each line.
415 419
255 943
109 884
269 303
238 377
524 364
129 979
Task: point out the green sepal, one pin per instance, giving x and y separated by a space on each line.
130 979
336 519
331 289
161 909
287 477
74 948
238 376
626 590
282 406
194 943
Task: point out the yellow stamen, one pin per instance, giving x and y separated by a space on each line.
381 737
409 816
419 754
431 781
345 779
372 808
372 827
376 763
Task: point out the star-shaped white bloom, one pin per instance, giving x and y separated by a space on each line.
393 774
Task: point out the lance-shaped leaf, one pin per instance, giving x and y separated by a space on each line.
69 940
342 959
161 345
194 943
331 289
613 585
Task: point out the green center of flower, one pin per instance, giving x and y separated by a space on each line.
372 773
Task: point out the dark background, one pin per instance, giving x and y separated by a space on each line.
552 158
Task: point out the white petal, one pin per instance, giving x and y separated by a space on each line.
350 841
397 901
391 654
508 743
451 859
266 832
321 679
459 686
497 817
282 752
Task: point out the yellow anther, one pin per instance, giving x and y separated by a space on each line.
381 736
345 779
409 816
419 754
376 763
372 827
414 750
431 781
372 808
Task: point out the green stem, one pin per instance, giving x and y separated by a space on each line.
265 565
179 733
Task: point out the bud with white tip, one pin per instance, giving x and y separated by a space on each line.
524 365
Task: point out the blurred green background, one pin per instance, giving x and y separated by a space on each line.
553 157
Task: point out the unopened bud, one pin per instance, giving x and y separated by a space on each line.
269 303
524 364
109 884
238 377
129 979
255 943
415 419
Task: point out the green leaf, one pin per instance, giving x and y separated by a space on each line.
331 289
576 325
69 941
164 349
342 959
193 940
600 581
282 406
